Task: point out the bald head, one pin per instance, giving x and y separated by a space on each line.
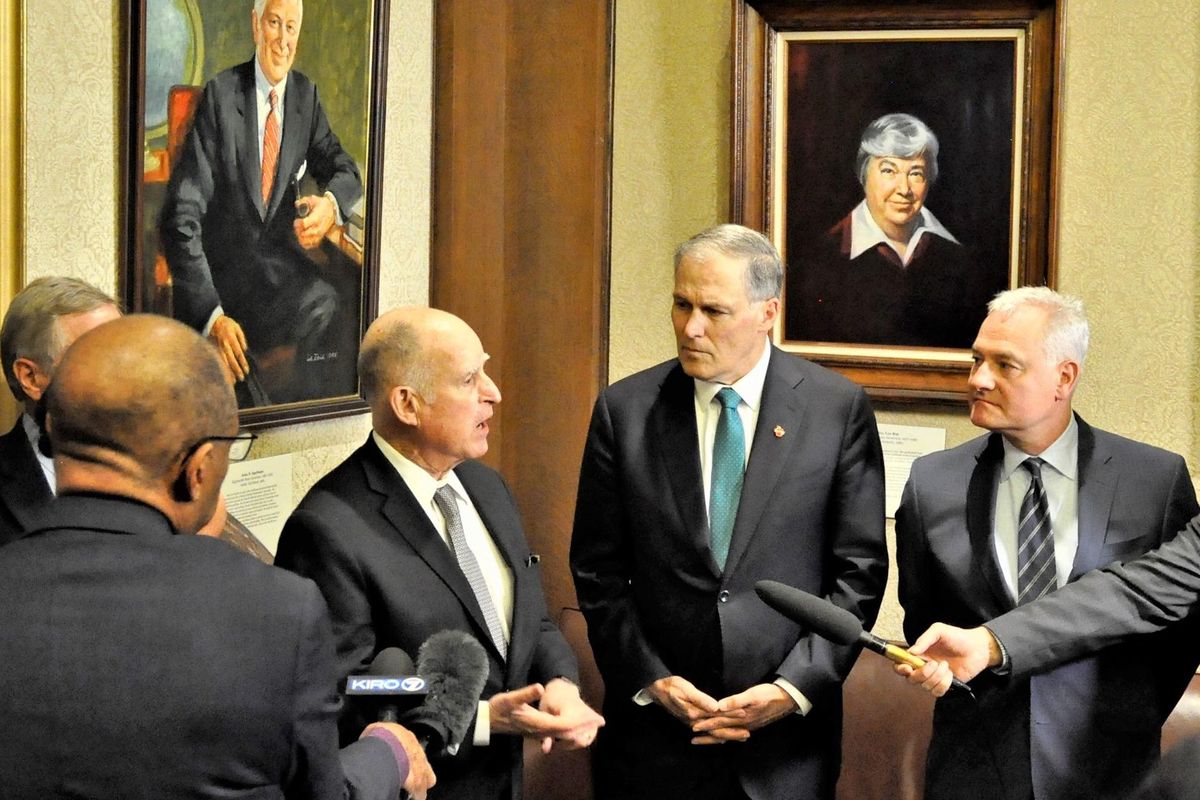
400 349
423 373
133 395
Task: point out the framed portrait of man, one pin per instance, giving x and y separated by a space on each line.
902 161
252 154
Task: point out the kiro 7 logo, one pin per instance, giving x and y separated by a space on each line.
364 684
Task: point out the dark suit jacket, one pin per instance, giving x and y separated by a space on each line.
810 515
391 581
222 245
23 489
1085 730
141 664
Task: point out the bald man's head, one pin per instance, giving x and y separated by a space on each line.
395 351
135 394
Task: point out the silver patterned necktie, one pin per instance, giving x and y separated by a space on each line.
1037 573
448 505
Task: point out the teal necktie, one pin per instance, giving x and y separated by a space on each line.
728 468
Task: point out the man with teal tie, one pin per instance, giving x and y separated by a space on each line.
733 463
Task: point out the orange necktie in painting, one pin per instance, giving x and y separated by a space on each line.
270 150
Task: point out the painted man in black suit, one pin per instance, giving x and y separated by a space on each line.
709 693
410 536
42 321
143 662
1086 729
230 227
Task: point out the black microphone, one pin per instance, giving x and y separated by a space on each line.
391 681
834 623
455 668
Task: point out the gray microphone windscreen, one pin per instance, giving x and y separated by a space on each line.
455 666
391 661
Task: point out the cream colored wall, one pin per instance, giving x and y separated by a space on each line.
1130 202
72 176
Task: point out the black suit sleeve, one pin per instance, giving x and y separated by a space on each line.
855 553
310 546
915 585
366 769
600 562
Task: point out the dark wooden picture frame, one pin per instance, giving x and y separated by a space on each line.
830 68
188 65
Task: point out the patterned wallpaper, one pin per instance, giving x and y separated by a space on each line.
1130 202
72 177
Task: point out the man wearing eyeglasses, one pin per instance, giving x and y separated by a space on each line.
143 663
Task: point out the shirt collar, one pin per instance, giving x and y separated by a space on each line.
749 387
865 233
33 434
1063 455
263 86
419 482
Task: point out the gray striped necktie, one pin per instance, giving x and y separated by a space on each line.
448 505
1037 574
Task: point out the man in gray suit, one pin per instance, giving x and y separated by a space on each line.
733 463
1010 516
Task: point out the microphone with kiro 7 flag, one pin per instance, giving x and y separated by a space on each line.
437 699
836 624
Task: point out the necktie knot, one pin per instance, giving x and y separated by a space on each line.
728 398
273 99
1034 466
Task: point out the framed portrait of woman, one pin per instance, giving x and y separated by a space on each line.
902 161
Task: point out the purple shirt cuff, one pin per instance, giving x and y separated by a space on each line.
398 753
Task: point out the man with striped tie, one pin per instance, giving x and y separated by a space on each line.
1009 517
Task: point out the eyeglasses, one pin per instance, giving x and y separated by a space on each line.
239 446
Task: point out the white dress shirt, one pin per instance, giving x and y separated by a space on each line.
1060 476
496 573
865 232
47 464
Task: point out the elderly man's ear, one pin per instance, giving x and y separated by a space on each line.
405 402
32 378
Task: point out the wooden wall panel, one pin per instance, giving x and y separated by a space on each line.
522 163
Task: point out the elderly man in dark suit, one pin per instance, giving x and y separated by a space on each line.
410 536
1006 518
139 662
42 321
734 463
230 227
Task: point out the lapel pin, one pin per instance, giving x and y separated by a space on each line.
779 431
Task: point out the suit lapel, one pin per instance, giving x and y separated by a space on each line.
981 508
496 512
1096 488
677 452
248 144
22 482
401 511
784 405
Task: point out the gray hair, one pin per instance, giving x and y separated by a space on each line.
259 5
395 357
31 328
764 268
1066 323
899 135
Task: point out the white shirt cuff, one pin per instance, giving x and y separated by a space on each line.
483 725
643 697
337 210
217 312
803 705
